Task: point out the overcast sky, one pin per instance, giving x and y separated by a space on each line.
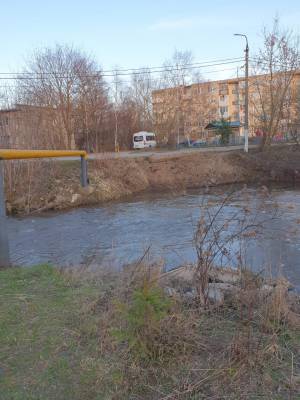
133 33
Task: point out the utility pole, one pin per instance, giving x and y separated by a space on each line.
116 104
178 106
238 96
4 248
246 125
178 118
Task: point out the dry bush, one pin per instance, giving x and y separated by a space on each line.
144 320
27 183
156 347
37 185
160 347
221 236
142 330
262 350
277 309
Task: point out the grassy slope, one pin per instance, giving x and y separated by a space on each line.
44 354
50 348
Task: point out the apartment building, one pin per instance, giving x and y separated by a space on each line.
187 111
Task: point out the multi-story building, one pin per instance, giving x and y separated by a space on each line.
188 110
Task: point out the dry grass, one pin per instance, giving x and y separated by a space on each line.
223 352
58 338
33 186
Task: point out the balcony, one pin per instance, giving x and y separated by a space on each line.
223 92
223 100
225 115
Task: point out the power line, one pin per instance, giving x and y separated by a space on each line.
145 80
140 71
146 69
259 61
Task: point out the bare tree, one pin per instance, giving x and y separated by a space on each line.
91 109
176 76
140 91
5 104
183 105
222 236
272 92
294 115
59 78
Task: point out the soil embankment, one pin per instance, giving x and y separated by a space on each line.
38 186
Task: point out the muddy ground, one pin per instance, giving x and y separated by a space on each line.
33 186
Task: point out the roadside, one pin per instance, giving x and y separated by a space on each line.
162 153
38 185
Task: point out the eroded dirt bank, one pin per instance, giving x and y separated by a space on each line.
37 186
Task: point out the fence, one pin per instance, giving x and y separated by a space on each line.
21 155
236 141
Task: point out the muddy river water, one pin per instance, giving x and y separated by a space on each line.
119 233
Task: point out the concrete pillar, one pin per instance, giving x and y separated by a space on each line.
4 248
84 175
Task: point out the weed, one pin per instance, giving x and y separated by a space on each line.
141 321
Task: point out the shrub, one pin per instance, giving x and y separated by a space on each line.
141 320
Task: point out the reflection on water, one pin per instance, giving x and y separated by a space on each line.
119 233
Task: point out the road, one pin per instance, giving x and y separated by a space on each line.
158 153
161 153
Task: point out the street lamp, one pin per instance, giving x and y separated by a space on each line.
246 126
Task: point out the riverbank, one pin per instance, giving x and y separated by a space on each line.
38 186
142 335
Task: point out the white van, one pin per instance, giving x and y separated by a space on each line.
143 140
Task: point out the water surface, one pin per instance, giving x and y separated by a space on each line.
119 233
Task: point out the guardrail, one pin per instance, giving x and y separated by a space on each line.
236 141
10 154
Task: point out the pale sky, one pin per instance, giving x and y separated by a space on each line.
133 33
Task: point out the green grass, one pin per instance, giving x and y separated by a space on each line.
48 347
51 338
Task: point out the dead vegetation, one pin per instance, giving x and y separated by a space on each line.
198 332
163 335
42 185
159 344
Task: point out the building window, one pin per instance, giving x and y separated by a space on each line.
187 90
3 121
197 90
223 110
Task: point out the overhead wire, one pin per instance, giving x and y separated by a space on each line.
112 74
145 80
129 70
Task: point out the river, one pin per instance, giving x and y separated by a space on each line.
119 233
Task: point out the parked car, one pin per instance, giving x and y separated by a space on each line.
143 140
185 143
199 143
